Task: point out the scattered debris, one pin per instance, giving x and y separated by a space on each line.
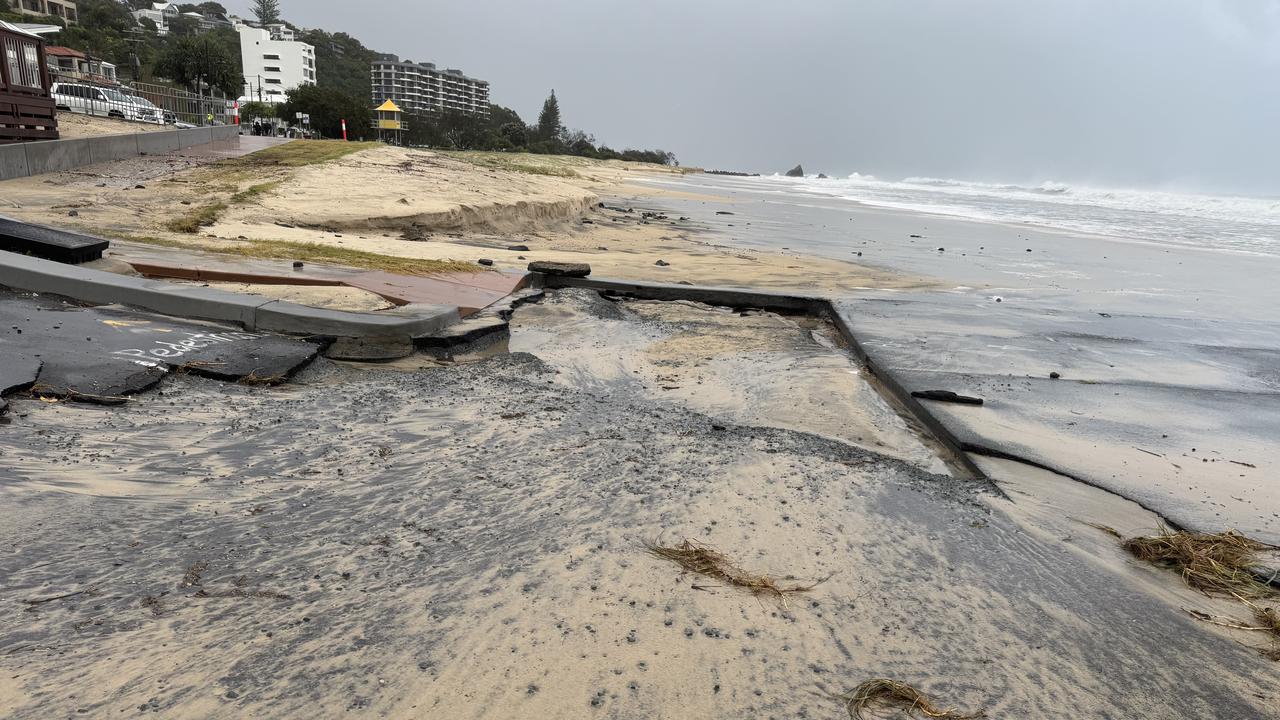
900 695
242 593
696 557
255 379
193 574
485 261
41 601
946 396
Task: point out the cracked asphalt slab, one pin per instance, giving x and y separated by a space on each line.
466 541
1177 413
63 349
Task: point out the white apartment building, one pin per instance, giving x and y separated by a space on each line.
159 13
273 66
421 87
65 9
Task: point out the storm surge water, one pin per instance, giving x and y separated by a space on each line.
1245 224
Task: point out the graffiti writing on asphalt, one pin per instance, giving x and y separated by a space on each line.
176 348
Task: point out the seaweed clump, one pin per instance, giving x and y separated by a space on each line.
883 693
704 560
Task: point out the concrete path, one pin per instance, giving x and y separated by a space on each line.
468 292
104 354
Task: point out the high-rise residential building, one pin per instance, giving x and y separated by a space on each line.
273 65
422 87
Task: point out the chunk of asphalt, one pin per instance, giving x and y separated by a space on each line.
946 396
103 354
18 371
370 349
463 333
561 269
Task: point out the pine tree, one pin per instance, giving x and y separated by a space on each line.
268 11
549 118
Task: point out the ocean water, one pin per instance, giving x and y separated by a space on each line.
1233 223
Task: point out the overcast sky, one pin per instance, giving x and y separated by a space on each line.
1172 93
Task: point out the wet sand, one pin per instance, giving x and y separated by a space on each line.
1168 392
466 540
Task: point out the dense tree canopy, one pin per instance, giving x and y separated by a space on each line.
201 62
328 108
549 119
267 11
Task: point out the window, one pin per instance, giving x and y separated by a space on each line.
270 57
270 68
20 55
272 81
33 79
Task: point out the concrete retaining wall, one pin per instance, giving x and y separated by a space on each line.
36 158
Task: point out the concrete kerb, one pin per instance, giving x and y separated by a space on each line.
157 143
110 148
190 137
13 161
808 304
57 155
47 156
253 313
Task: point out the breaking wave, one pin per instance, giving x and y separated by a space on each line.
1229 222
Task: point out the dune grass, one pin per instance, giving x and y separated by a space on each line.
196 218
299 153
253 191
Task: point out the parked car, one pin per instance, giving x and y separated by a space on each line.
109 102
147 110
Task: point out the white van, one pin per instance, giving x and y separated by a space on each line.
108 102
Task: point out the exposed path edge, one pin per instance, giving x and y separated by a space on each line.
251 312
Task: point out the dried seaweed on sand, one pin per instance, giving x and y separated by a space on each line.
704 560
1213 563
891 694
253 378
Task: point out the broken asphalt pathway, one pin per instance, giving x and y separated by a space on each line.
57 348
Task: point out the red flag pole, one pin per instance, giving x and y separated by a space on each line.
344 129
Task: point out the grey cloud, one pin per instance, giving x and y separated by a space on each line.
1142 92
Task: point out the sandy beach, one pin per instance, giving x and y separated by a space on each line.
472 537
424 205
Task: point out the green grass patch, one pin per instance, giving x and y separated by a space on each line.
312 252
254 191
300 153
199 217
551 165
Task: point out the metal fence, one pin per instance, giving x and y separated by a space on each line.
138 102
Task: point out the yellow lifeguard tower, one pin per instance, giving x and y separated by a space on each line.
387 121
